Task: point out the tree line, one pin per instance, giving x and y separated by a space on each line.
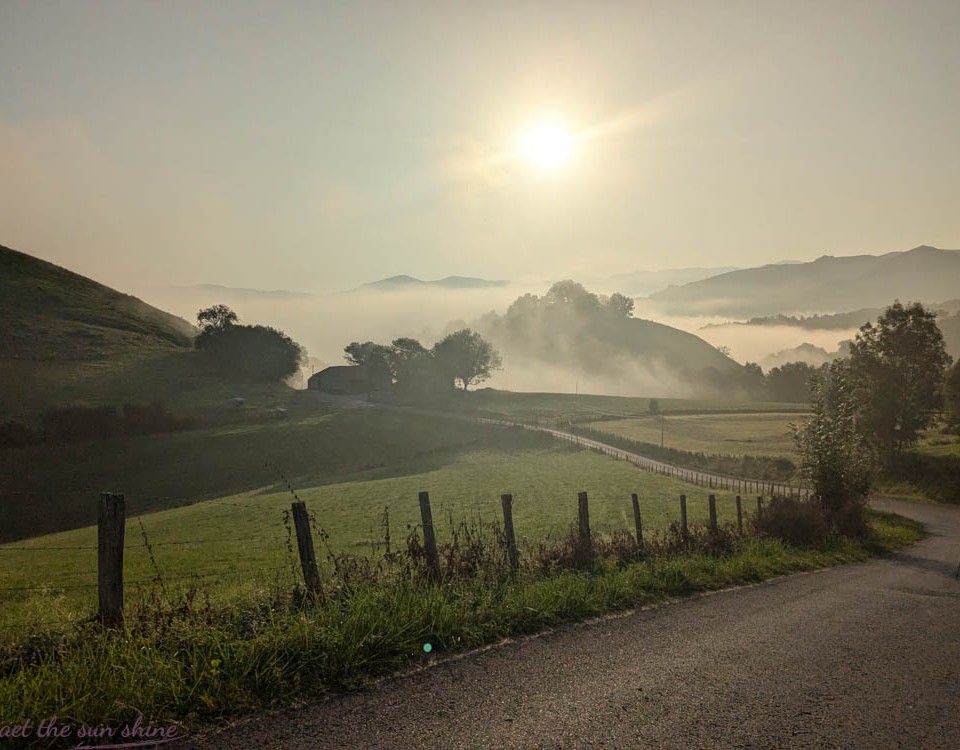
870 406
458 360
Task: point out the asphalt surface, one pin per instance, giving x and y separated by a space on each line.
858 656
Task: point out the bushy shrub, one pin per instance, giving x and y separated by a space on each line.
69 423
801 523
15 434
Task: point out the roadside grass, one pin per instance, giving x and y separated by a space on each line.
200 661
766 434
246 532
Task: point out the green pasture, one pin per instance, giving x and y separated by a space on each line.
766 434
238 543
568 406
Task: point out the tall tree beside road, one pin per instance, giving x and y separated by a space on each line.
897 373
832 454
951 394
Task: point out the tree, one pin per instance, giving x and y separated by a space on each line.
212 321
465 356
832 453
951 394
791 382
248 352
375 357
411 364
621 305
897 374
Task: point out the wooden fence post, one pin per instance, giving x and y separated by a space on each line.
583 517
506 501
759 504
429 537
111 518
638 524
712 504
739 516
683 514
308 558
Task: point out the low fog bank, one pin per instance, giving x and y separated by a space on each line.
765 343
768 345
628 379
325 324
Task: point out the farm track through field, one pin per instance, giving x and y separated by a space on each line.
858 656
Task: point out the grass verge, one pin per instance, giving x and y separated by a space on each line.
195 662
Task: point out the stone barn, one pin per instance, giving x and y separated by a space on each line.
347 380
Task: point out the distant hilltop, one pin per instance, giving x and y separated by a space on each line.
237 293
396 283
825 285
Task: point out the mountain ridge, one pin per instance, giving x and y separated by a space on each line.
824 285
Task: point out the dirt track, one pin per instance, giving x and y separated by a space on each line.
860 656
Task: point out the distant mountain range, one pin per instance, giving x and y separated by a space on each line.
404 282
228 294
642 283
825 285
812 355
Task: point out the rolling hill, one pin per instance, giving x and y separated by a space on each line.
404 282
50 313
642 283
828 284
67 339
573 331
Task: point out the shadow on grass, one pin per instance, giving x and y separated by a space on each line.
47 488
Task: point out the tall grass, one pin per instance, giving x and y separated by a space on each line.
191 659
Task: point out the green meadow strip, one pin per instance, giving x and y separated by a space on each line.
199 661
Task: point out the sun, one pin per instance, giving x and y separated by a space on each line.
547 146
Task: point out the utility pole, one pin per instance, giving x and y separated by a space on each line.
661 429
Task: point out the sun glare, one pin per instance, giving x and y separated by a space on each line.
547 146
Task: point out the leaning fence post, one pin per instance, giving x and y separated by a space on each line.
506 501
638 524
739 516
583 518
110 525
429 537
308 558
683 514
712 504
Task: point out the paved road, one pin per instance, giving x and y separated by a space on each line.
859 656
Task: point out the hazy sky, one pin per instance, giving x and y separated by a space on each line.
314 146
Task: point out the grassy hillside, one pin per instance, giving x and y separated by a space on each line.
66 339
50 313
571 331
827 284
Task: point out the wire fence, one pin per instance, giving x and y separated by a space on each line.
282 540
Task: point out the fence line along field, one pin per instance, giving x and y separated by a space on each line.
236 544
761 434
529 407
